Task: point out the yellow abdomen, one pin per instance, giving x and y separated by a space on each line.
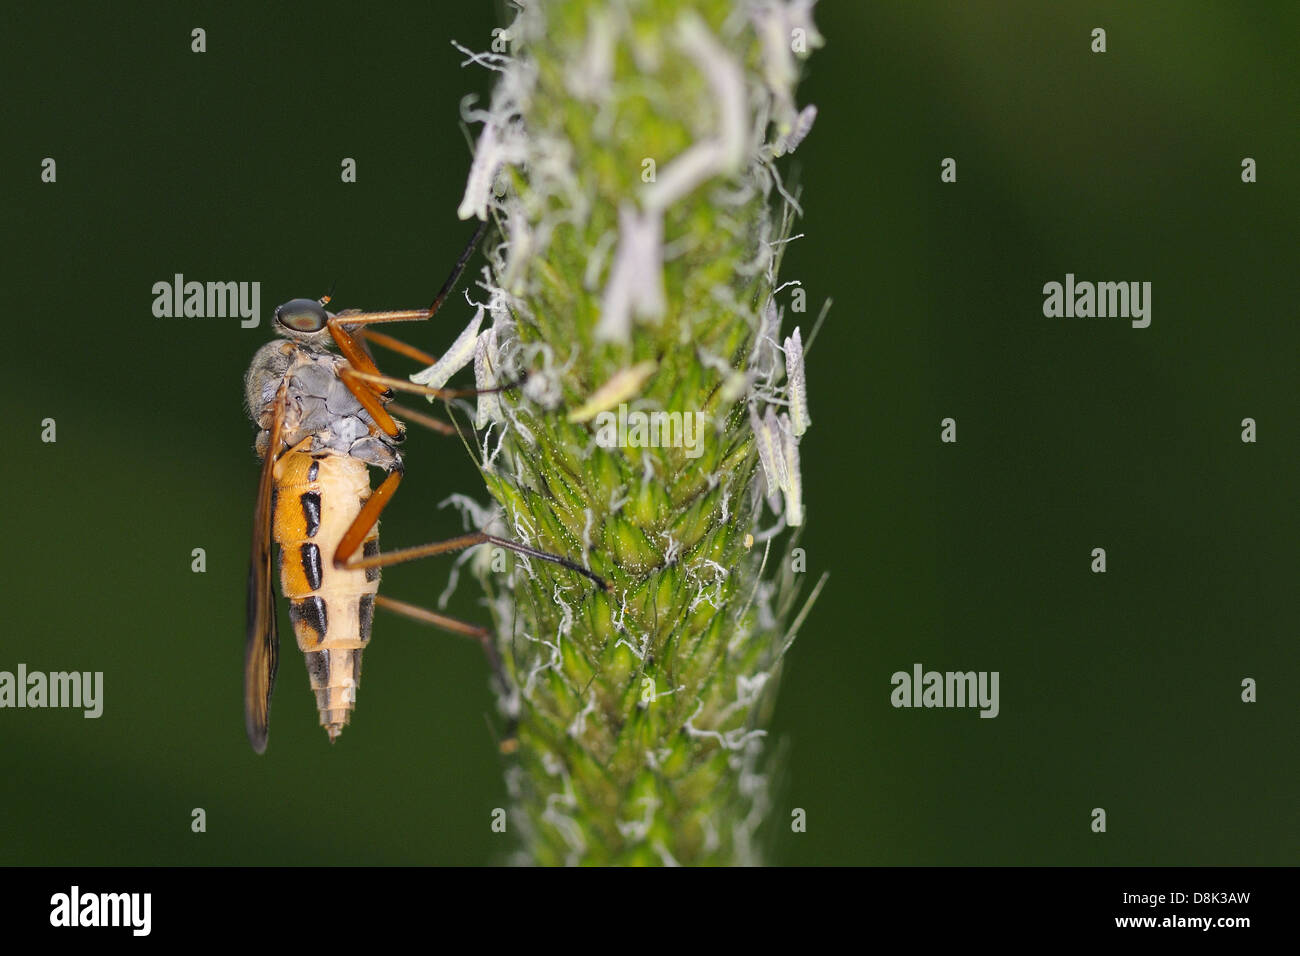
316 501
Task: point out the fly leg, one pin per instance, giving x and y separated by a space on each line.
371 337
375 379
394 345
509 741
346 554
346 329
412 315
350 333
374 390
452 625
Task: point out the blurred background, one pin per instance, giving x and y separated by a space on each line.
1119 691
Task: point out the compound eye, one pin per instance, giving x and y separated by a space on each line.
302 315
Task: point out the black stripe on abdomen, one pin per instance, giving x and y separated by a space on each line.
318 668
366 616
310 611
311 512
311 566
369 550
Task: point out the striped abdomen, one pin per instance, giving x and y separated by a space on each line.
316 501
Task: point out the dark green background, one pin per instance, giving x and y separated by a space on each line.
1118 690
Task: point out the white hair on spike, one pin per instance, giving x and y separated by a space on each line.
731 740
454 359
770 450
617 620
551 662
666 857
710 590
579 723
717 155
727 80
565 627
647 467
793 486
655 759
543 384
500 305
748 690
636 830
772 432
486 367
521 245
489 454
453 576
589 74
735 385
474 202
767 359
473 514
797 386
563 823
496 147
764 258
775 22
638 652
791 203
779 72
803 124
596 259
672 549
711 838
492 61
636 280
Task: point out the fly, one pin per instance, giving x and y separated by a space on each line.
324 419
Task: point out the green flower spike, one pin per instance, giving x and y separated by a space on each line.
628 157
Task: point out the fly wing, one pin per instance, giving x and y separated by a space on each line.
262 643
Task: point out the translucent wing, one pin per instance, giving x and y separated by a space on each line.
262 644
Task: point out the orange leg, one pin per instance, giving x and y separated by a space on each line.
402 385
425 616
395 345
419 418
417 315
410 351
372 388
352 351
371 400
345 556
510 742
368 386
364 379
